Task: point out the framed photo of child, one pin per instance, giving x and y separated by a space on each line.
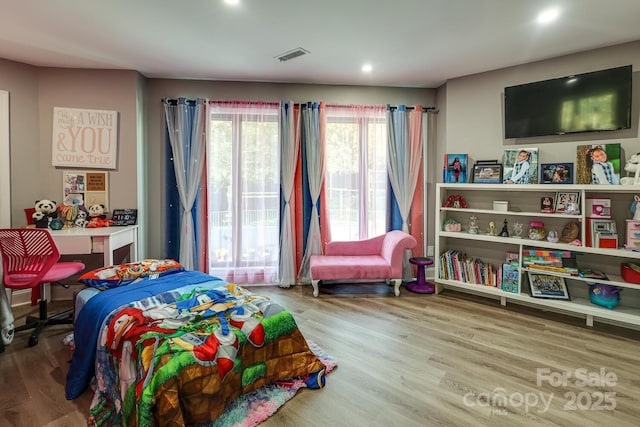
567 201
598 164
455 168
520 166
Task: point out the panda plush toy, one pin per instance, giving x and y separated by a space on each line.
81 219
97 217
97 211
46 210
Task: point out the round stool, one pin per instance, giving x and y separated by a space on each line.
421 286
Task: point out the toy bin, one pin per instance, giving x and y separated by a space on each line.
630 273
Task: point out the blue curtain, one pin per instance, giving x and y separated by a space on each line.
313 119
185 190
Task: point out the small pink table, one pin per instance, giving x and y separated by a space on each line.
421 286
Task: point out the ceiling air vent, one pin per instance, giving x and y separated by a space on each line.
292 54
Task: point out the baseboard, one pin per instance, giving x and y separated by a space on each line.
23 296
19 297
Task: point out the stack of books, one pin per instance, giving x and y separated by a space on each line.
553 261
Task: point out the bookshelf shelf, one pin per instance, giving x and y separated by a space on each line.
524 207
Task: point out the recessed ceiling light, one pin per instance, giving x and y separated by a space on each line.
232 2
548 15
367 68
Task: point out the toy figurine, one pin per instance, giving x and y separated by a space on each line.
518 228
473 225
635 207
505 231
492 228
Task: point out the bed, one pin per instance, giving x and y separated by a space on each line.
179 348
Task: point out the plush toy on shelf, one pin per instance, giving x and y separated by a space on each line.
46 210
72 209
81 218
97 217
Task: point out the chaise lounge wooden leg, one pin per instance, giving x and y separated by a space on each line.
314 283
396 283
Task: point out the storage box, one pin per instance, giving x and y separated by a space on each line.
597 207
630 273
500 205
633 235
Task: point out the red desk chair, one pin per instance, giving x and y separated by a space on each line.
29 259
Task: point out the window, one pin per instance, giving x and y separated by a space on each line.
243 192
356 168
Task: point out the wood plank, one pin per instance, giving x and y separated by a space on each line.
412 360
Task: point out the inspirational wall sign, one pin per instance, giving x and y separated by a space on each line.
84 138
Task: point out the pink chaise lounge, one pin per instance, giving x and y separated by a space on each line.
376 258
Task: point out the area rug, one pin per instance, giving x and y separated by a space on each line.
252 408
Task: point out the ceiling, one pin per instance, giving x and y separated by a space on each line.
409 43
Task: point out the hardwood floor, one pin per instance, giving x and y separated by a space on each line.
413 360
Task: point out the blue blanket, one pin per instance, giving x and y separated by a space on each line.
89 321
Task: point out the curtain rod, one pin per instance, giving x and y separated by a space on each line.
298 104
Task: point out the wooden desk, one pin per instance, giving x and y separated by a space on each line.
104 240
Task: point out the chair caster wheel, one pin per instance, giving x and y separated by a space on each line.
33 341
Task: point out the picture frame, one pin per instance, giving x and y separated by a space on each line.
487 173
487 162
547 205
556 173
124 216
520 165
455 168
548 286
564 198
599 164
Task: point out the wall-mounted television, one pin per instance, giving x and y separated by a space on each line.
589 102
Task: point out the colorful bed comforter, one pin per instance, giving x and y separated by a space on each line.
182 355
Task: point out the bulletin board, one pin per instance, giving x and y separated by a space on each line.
86 188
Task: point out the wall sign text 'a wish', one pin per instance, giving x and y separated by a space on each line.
84 138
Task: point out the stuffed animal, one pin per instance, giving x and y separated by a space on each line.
632 166
81 219
97 217
97 211
46 210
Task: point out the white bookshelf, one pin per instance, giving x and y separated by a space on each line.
524 206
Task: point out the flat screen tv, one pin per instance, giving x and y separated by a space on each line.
589 102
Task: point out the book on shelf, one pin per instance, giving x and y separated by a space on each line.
512 257
456 265
547 253
549 260
510 278
563 270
